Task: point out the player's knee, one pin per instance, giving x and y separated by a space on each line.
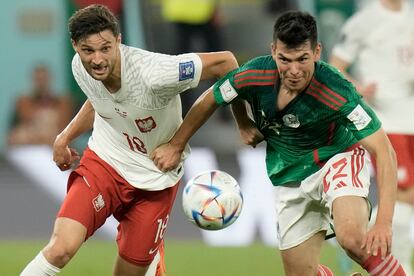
351 240
59 253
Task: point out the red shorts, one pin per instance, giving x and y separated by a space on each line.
404 148
96 191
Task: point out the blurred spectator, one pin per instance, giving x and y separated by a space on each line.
194 19
197 30
379 39
40 115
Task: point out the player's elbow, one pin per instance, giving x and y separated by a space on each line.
228 63
231 61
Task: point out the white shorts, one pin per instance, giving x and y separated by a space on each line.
305 209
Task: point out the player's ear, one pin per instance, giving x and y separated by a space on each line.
119 38
74 45
318 51
273 48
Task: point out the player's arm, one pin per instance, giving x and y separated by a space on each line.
249 133
217 64
167 156
342 66
82 122
380 235
367 91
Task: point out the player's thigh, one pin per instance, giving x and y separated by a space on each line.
125 268
350 216
304 258
299 216
85 204
142 228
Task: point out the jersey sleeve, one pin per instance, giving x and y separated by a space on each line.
171 75
228 88
359 118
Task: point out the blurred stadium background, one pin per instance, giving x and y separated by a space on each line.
31 188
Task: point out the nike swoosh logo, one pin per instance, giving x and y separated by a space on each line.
153 250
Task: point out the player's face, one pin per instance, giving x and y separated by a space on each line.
296 66
99 54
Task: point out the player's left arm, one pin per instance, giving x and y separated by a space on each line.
379 237
167 156
217 64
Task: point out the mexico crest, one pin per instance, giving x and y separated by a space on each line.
291 120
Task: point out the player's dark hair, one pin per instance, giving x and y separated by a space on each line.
92 20
294 28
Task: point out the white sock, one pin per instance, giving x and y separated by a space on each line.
39 266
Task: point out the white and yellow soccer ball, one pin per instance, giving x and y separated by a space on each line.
212 200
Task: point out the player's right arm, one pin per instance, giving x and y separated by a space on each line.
63 155
167 156
217 64
249 132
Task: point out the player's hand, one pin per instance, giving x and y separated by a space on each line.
166 157
378 240
64 156
250 135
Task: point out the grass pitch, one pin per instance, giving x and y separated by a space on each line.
183 258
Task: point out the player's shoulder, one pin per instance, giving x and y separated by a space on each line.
257 67
133 54
260 63
76 62
330 79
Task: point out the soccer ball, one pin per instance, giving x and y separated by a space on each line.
212 200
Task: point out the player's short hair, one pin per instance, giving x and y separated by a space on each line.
294 28
92 20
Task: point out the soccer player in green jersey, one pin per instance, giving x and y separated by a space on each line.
317 130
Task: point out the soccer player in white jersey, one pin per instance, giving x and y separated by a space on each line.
133 106
379 39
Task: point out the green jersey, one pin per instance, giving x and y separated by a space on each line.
326 118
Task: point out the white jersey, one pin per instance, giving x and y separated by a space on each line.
381 42
143 114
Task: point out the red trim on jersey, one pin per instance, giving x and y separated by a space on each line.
254 84
317 96
326 96
327 89
316 156
255 71
254 78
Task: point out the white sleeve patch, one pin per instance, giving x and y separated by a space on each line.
227 91
359 117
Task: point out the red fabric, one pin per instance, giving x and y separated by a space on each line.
114 5
95 191
389 266
324 271
404 148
